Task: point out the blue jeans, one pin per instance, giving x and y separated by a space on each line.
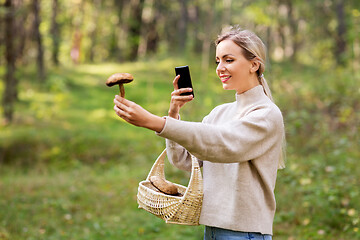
213 233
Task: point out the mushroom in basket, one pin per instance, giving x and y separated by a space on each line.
164 185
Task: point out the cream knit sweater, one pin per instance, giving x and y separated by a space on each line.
238 145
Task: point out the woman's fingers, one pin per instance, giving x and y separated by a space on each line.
136 115
122 107
120 111
122 101
124 104
178 92
185 98
175 82
129 111
178 100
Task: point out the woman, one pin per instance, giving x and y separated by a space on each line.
239 144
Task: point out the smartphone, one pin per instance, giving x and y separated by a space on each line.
185 79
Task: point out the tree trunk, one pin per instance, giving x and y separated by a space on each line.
135 28
38 39
294 30
149 34
152 38
10 90
197 47
146 18
340 47
93 32
115 51
20 28
55 33
182 27
226 16
153 35
207 41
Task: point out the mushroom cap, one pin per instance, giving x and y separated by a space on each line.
118 78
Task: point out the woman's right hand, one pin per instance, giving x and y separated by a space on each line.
177 100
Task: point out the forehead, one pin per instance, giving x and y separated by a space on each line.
227 47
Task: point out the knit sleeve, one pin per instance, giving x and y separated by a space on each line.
237 140
178 155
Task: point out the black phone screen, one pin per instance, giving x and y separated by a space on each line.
185 79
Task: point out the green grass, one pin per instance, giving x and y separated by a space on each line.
81 203
69 167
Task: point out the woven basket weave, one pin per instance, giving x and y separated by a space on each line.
184 209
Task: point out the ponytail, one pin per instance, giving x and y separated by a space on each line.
262 81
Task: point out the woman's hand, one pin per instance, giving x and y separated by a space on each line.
177 100
136 115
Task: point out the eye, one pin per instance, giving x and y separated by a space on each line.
229 60
217 62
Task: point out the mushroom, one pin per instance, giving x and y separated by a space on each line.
119 78
164 185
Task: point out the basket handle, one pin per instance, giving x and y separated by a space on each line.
196 180
158 167
158 170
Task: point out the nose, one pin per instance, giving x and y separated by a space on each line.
220 67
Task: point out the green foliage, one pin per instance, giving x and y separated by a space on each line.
70 167
105 27
317 194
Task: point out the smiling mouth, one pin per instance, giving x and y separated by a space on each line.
224 78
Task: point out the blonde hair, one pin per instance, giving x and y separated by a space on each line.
253 48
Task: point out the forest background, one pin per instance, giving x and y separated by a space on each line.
69 168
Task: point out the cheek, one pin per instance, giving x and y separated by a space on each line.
233 70
240 70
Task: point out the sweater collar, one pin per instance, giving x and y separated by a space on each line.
251 96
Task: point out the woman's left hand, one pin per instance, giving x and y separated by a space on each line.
136 115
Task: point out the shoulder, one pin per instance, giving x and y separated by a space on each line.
274 111
222 107
219 110
267 111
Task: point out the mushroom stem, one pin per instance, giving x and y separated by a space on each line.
122 90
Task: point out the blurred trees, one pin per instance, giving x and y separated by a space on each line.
38 39
325 33
10 81
55 33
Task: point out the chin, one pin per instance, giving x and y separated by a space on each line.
227 87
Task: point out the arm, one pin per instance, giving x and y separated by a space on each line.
138 116
178 156
238 140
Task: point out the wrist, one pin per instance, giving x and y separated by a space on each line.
173 114
156 123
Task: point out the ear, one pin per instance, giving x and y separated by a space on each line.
255 65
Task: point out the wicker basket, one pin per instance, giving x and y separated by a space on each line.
184 209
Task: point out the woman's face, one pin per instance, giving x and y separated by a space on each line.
234 70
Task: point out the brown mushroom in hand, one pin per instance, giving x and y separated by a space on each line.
119 78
